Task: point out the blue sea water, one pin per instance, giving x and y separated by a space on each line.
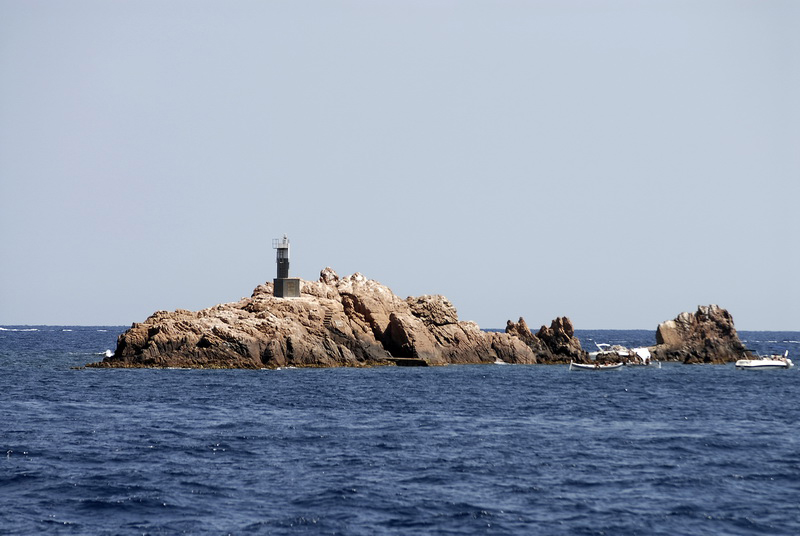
397 451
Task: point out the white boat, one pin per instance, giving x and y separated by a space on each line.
766 362
594 366
632 357
606 350
641 358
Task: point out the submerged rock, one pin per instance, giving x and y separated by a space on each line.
336 321
706 336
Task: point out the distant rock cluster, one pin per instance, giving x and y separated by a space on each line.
706 336
556 344
355 321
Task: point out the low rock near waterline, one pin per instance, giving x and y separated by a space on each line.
706 336
336 321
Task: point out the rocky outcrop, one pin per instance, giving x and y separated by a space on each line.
706 336
560 339
556 344
336 321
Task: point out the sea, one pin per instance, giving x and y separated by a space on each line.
455 450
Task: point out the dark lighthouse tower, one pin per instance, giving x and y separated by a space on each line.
284 286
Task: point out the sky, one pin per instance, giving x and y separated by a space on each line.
616 162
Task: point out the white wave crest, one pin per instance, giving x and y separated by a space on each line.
18 329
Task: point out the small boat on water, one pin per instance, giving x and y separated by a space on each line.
594 366
631 357
605 350
766 362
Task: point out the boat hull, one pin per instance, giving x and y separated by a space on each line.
763 364
584 366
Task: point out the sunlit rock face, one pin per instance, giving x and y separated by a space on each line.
336 321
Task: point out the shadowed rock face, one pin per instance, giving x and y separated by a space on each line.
706 336
336 321
556 344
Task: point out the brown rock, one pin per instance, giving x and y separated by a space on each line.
706 336
408 337
328 276
556 344
560 338
511 349
337 321
433 310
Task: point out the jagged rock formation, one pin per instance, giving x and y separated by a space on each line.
706 336
350 321
556 344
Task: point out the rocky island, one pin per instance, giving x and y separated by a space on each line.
355 321
336 321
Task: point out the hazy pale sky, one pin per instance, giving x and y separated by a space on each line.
616 162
